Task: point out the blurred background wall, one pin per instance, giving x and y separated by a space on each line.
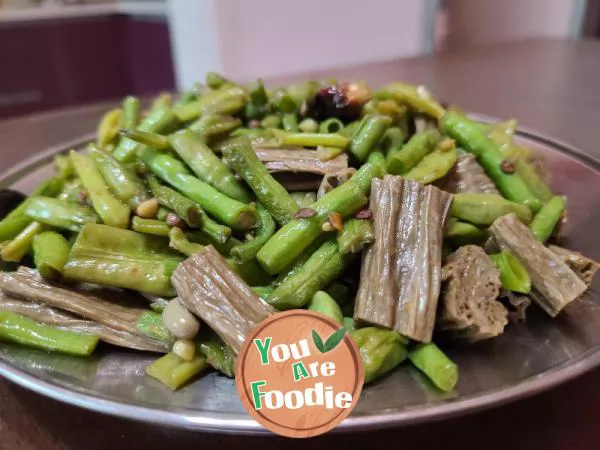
62 53
271 38
476 22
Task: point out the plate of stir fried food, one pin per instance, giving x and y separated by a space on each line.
457 251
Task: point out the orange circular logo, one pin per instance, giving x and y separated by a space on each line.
299 373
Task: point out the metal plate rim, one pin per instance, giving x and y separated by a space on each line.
220 423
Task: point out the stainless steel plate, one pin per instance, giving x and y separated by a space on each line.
528 358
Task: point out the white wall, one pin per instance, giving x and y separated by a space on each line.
275 37
479 22
246 39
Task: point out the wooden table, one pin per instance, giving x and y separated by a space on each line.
551 86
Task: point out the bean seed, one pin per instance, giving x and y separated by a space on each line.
179 320
185 349
147 209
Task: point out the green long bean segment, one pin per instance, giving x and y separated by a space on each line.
249 271
513 275
300 260
434 363
215 80
368 135
316 271
226 100
247 251
289 122
188 96
271 121
323 266
402 159
284 102
16 249
108 128
156 227
153 140
58 213
123 183
189 211
483 209
473 139
357 233
377 159
206 165
212 127
393 138
545 221
63 167
161 101
160 120
131 112
332 125
272 195
21 330
50 187
178 241
229 211
150 226
415 97
218 355
381 350
258 105
183 206
323 303
304 199
263 291
110 256
151 324
73 191
14 223
328 153
50 254
294 237
17 220
435 165
111 210
502 135
463 233
174 372
310 139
